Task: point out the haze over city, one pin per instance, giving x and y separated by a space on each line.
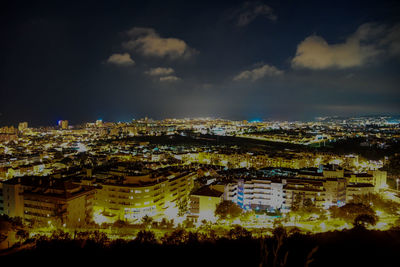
83 61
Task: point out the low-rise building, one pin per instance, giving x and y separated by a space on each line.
203 203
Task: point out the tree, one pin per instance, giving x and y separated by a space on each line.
120 224
163 223
397 222
99 237
377 202
188 223
22 235
144 236
239 232
350 211
247 216
275 256
228 209
297 201
307 203
183 206
177 237
363 220
305 207
60 235
393 165
147 220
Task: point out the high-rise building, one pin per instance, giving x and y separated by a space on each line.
99 123
63 124
22 126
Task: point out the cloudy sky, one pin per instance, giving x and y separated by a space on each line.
118 60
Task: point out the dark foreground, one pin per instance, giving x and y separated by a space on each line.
356 247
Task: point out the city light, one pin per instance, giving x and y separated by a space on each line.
208 133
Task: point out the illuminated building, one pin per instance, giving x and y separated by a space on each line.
22 126
260 194
376 178
298 192
283 193
48 201
99 123
63 124
335 192
357 189
203 203
379 179
135 195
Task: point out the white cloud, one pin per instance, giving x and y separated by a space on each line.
149 43
251 10
363 46
160 71
258 73
121 59
170 78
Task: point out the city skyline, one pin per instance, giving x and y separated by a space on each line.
374 119
234 60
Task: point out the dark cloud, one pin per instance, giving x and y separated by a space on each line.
249 11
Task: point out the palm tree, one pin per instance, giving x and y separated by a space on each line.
147 220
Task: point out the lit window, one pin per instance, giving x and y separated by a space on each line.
138 191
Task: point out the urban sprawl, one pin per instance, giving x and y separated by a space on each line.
200 173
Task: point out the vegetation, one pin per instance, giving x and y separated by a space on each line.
183 206
393 165
377 202
228 210
237 248
363 220
351 211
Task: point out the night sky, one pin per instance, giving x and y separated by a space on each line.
295 60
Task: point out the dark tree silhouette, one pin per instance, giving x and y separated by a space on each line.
146 221
363 220
239 232
146 237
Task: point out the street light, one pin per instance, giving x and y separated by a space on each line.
397 184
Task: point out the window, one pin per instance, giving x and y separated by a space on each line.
138 191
